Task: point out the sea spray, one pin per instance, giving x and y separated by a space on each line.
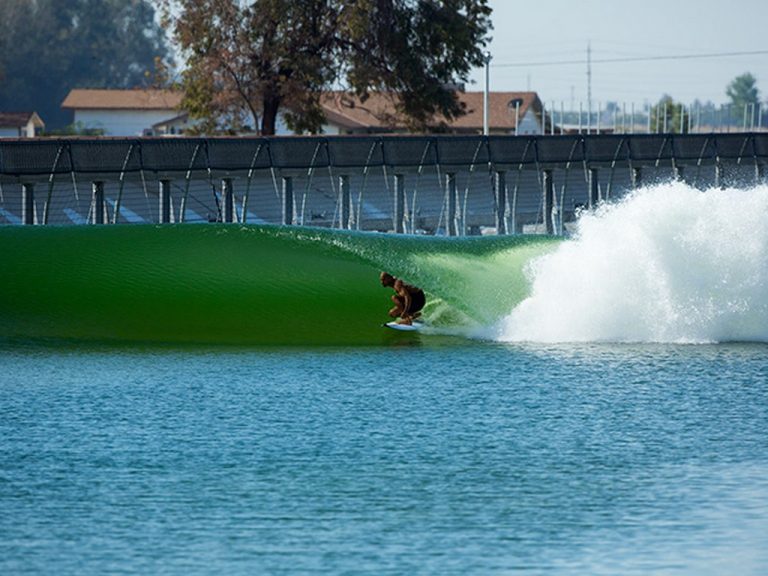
669 263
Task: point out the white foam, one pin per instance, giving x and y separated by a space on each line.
668 263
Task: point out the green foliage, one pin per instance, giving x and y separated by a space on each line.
48 47
75 129
258 58
669 116
743 93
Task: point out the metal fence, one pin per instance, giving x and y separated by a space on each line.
661 118
451 185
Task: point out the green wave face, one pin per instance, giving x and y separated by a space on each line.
246 284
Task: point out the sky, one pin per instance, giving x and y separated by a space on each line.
532 40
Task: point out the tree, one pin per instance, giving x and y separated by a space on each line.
249 61
744 95
48 47
669 116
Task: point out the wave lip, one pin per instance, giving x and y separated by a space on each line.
668 263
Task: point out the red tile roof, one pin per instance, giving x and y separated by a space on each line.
85 99
19 119
378 111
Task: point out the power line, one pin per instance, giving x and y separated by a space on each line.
632 59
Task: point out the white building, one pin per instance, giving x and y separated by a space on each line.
122 112
175 126
20 124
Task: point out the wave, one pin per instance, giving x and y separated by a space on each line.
668 263
238 284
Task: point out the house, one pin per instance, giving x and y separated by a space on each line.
158 113
20 124
175 126
122 112
508 113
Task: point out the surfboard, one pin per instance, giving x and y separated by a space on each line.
415 327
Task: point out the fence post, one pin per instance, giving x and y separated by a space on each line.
501 202
594 188
287 200
450 221
227 200
98 202
719 175
399 203
165 201
549 201
346 203
28 204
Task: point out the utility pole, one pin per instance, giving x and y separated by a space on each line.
589 85
485 92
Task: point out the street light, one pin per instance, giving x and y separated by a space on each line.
485 93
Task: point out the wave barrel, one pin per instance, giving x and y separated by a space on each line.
236 284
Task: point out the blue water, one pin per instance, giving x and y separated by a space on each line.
433 457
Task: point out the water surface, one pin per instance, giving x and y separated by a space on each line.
433 457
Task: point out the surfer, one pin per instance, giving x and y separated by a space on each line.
408 299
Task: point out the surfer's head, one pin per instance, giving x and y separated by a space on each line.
387 279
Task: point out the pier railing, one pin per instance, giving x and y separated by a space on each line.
450 185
